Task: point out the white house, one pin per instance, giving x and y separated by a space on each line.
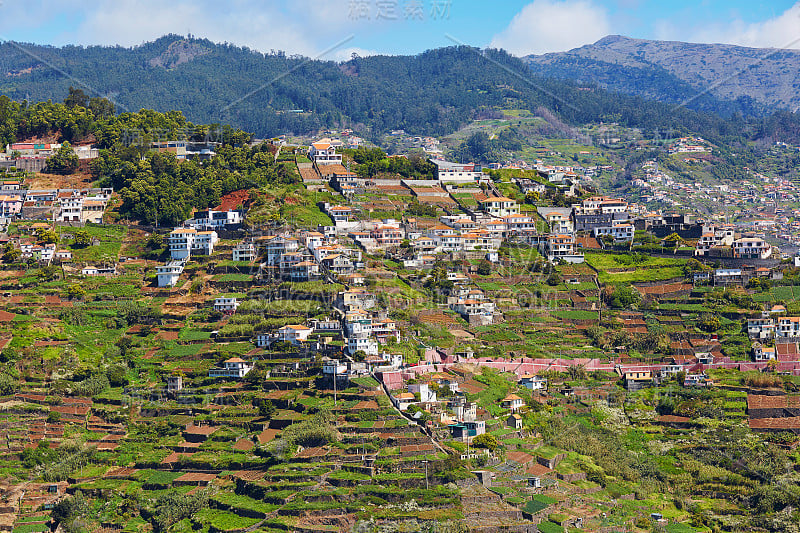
424 391
226 305
233 368
323 152
183 242
752 248
500 206
763 353
447 172
512 402
760 328
244 251
294 333
169 273
788 326
620 232
211 220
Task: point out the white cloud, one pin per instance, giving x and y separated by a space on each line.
782 31
553 26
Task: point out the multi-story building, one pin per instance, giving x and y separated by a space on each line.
276 246
788 326
183 242
245 251
168 274
561 247
226 305
213 220
620 232
760 328
323 152
10 205
752 248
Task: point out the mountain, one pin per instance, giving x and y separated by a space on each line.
711 77
434 93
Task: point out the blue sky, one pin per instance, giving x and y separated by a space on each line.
333 29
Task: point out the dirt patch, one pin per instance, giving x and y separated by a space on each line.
234 199
80 179
168 335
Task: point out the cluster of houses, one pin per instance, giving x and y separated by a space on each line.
463 419
32 156
59 205
197 236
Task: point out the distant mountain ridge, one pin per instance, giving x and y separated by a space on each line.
712 77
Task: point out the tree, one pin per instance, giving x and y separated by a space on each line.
76 98
484 268
265 408
155 242
46 236
75 291
81 237
708 323
486 440
49 273
11 254
64 161
116 375
621 297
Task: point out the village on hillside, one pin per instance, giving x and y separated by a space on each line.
498 347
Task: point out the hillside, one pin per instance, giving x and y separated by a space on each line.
432 93
715 77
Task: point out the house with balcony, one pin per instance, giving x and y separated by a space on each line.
751 248
559 219
788 327
215 220
620 231
337 264
245 252
183 242
512 402
304 271
763 353
10 205
760 328
276 245
467 430
532 382
323 152
561 246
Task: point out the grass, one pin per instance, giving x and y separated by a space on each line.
224 520
550 527
31 528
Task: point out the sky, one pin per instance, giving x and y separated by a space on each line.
335 29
